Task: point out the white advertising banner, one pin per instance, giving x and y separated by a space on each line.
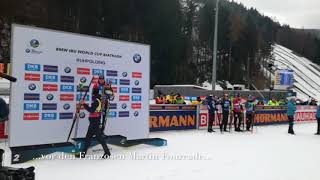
305 114
49 66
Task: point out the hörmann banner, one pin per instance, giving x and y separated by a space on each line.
173 117
266 115
49 66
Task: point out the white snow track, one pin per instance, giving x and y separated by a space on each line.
268 154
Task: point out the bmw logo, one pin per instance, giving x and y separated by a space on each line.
82 115
34 43
66 106
124 74
124 106
32 87
67 70
137 58
27 50
83 80
136 113
136 82
50 97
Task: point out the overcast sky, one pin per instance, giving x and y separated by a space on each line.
296 13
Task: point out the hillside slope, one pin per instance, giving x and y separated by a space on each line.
306 73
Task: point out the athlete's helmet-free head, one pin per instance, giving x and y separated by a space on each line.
101 79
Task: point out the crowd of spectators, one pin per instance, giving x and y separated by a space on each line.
170 99
176 98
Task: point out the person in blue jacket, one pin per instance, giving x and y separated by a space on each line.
318 119
211 109
226 107
250 106
290 112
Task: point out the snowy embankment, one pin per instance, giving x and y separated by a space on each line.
267 154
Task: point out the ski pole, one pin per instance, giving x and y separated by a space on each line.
243 118
253 122
78 110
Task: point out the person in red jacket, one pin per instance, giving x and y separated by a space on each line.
237 110
160 99
94 128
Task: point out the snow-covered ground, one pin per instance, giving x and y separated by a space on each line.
268 154
208 86
306 73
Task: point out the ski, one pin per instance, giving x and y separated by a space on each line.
76 116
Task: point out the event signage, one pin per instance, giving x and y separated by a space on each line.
180 119
283 79
50 65
266 115
305 114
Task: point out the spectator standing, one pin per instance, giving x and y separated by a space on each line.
318 119
237 111
226 107
273 102
197 102
211 109
290 112
250 105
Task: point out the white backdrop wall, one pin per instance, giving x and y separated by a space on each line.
49 64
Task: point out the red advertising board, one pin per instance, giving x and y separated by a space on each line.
137 75
32 77
83 71
136 106
124 98
50 87
203 118
31 116
66 97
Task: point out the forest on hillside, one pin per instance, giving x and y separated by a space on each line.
180 33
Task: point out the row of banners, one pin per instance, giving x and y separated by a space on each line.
171 117
39 97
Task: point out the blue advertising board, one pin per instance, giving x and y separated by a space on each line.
271 115
173 118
